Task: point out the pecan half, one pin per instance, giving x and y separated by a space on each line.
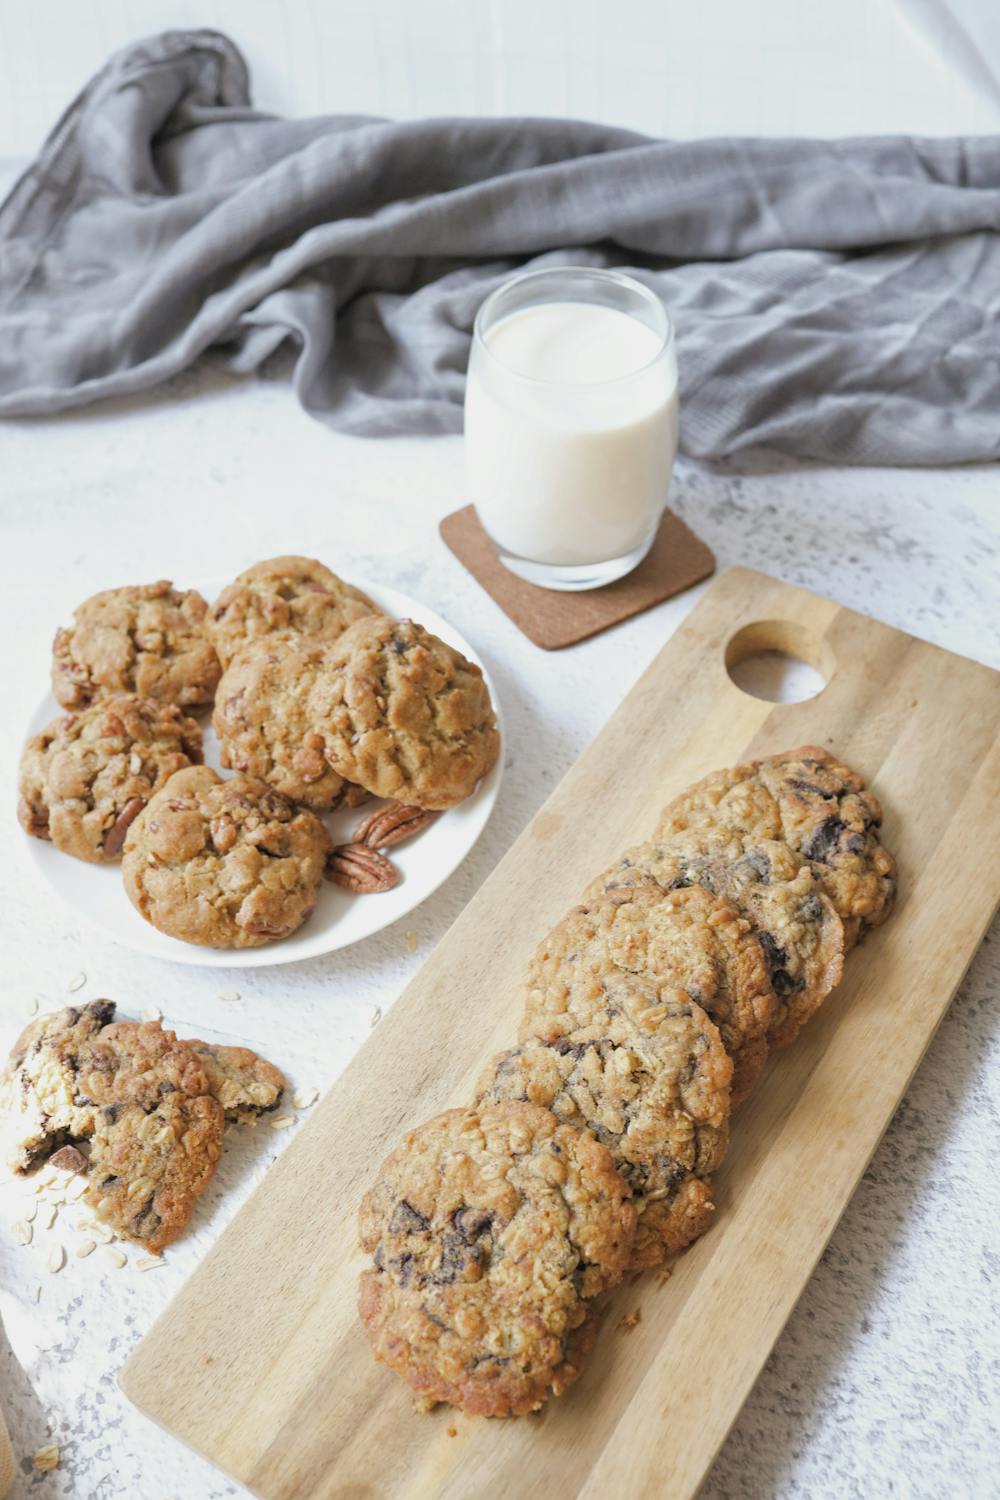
391 825
361 869
115 836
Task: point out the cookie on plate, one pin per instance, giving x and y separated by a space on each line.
266 729
224 863
820 807
800 933
405 715
148 639
489 1228
282 598
136 1103
87 776
639 943
652 1084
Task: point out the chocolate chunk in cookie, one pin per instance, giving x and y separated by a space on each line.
86 778
148 639
489 1228
281 599
227 864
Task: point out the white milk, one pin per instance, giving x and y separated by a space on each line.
570 465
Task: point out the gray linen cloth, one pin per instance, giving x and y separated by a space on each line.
837 300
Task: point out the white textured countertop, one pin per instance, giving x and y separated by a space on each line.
882 1381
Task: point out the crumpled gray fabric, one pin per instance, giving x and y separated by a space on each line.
835 300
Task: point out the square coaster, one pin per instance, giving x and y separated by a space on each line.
554 618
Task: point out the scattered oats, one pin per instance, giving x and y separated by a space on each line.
631 1320
57 1258
32 1006
152 1013
116 1257
228 995
281 1122
305 1097
22 1232
47 1217
30 1211
46 1459
375 1016
84 1248
411 940
76 1189
36 1185
77 982
149 1262
135 763
54 1196
101 1232
46 1177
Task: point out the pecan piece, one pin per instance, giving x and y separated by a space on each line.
69 1159
391 825
361 869
115 836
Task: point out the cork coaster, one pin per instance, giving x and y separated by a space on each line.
552 618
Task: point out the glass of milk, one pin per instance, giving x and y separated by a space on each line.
571 423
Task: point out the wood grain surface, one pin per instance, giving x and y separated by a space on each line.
260 1362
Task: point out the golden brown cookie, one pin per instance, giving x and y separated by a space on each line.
246 1085
800 934
224 863
148 639
489 1228
652 1084
820 807
404 715
283 598
267 730
87 776
639 943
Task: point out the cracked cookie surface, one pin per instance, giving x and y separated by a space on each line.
652 1084
148 639
284 598
823 811
489 1229
404 715
266 729
801 936
86 777
636 943
224 863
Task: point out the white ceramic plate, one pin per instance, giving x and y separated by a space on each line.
96 891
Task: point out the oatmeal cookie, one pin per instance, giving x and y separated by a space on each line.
87 776
134 1099
246 1085
489 1229
227 864
404 715
801 936
148 639
266 729
638 943
282 598
820 807
652 1085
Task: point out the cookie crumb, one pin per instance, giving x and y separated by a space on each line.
375 1016
77 982
84 1248
631 1320
228 995
57 1258
303 1098
453 1432
411 940
282 1122
46 1459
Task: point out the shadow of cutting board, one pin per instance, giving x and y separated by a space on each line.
260 1363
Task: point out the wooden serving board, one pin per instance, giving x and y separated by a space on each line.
260 1362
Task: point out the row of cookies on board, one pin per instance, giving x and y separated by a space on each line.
320 701
649 1010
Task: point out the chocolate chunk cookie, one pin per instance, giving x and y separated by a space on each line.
148 639
228 864
404 715
489 1229
267 729
282 598
639 943
246 1085
652 1084
87 777
820 807
134 1099
800 934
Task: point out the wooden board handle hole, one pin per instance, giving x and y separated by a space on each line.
779 661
